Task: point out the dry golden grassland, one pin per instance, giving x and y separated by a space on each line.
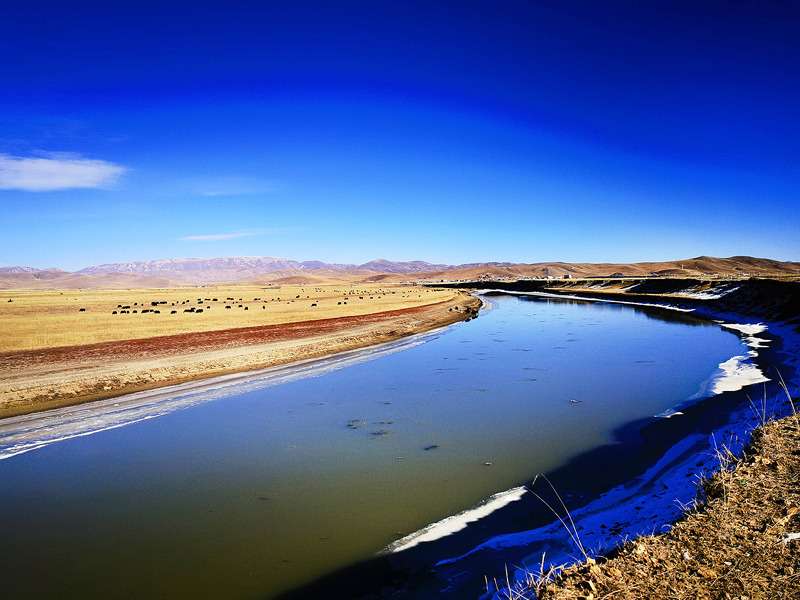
52 318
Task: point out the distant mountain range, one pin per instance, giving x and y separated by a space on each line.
259 270
23 270
237 268
256 265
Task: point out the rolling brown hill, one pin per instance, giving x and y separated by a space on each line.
702 266
231 271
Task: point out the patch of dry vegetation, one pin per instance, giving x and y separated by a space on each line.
742 541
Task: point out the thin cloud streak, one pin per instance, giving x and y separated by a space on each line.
216 237
57 172
235 186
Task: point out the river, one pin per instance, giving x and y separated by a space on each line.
253 487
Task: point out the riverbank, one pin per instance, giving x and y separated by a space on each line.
45 378
742 541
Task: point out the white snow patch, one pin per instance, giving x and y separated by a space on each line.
750 334
457 522
737 373
746 328
709 294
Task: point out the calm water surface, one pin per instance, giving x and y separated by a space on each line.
254 493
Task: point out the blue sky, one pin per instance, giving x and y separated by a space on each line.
450 132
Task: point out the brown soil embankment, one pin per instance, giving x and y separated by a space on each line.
33 380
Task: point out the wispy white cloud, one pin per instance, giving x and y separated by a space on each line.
215 237
57 172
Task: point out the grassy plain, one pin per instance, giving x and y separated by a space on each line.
32 319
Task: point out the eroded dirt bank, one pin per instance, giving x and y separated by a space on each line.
41 379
